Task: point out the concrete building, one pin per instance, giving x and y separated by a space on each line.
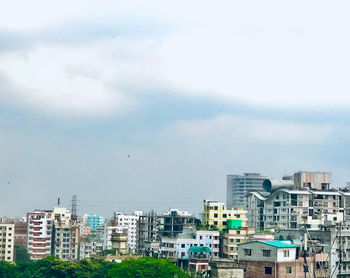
291 209
172 222
239 185
177 248
312 180
120 242
66 235
216 214
129 222
39 239
21 233
147 233
279 259
88 250
230 238
107 238
94 221
7 240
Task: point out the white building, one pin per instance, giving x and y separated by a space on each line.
128 222
183 213
39 228
290 209
89 249
7 235
108 231
177 248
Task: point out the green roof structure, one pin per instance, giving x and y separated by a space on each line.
274 243
199 249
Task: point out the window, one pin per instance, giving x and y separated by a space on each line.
182 245
268 270
267 253
238 240
285 253
231 240
215 215
288 269
247 252
238 232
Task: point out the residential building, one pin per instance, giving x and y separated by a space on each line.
39 228
239 185
198 259
231 237
278 259
107 238
95 221
292 209
7 240
21 233
177 247
88 250
312 180
128 222
216 214
66 235
120 242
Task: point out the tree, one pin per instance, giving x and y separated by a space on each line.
21 254
146 267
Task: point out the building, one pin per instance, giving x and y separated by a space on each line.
7 239
216 214
107 238
39 238
292 209
177 247
279 259
312 180
172 222
198 259
231 237
128 222
147 233
95 221
239 185
21 233
120 242
89 250
66 235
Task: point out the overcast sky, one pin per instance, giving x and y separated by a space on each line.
150 104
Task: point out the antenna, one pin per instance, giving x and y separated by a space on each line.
58 201
74 205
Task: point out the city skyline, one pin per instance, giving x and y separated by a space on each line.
151 105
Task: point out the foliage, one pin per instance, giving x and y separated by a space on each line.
52 267
21 254
147 267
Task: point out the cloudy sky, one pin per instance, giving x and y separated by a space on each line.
150 104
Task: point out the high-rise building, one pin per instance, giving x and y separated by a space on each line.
66 234
128 223
95 221
40 224
7 238
312 180
238 186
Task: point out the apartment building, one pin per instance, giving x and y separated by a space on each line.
216 214
239 185
94 221
147 232
312 180
231 237
7 239
39 238
66 235
291 209
129 223
177 247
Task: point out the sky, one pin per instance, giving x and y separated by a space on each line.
141 105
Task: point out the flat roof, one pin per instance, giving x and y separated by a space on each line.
274 243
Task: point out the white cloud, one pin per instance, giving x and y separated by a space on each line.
242 130
277 55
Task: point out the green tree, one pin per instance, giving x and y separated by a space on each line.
21 254
146 267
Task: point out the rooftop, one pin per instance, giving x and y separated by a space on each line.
274 243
